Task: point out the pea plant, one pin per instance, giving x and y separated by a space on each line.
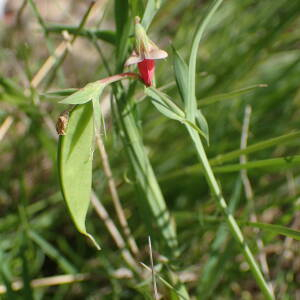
83 123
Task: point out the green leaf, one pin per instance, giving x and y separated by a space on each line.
137 7
149 13
60 93
202 123
230 95
255 147
121 16
191 105
75 155
124 25
181 74
91 91
168 108
6 278
220 255
280 162
97 115
278 229
285 162
164 100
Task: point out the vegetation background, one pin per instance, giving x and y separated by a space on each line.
247 85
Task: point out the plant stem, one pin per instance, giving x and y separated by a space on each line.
234 228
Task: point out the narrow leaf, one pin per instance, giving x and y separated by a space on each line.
60 93
168 108
162 106
162 97
97 115
191 104
278 229
255 147
280 162
202 123
181 74
75 165
150 12
230 95
121 16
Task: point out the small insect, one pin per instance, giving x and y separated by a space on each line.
62 123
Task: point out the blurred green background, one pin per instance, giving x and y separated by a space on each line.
247 43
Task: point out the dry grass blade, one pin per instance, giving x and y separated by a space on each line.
5 126
48 281
115 197
250 195
60 52
114 232
152 269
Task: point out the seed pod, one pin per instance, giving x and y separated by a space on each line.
62 123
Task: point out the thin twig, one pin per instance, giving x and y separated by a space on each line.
60 52
115 197
156 297
114 232
20 12
49 63
250 195
5 126
167 284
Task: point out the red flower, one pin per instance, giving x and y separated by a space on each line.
146 68
144 54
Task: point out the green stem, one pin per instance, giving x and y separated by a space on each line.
104 35
147 184
234 228
191 110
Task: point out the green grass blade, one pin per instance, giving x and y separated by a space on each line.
149 13
269 164
5 276
255 147
121 10
104 35
52 252
230 95
124 24
75 155
277 229
27 291
214 268
146 181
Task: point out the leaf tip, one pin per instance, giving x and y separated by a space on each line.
92 240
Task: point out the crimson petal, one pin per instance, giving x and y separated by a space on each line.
146 68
